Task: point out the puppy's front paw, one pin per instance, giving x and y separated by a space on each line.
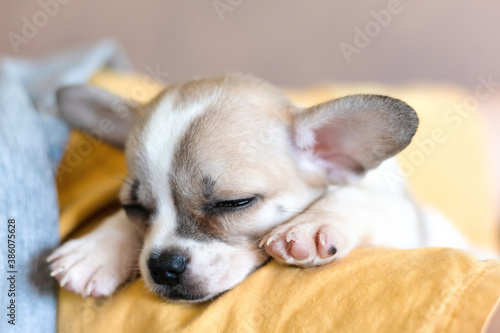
94 265
308 244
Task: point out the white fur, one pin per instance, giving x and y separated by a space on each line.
161 134
99 262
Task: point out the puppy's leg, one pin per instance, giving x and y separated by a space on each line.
343 219
99 262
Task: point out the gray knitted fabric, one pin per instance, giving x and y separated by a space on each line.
32 140
28 195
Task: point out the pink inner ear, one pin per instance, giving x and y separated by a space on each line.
347 136
332 151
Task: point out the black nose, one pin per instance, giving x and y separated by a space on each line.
166 267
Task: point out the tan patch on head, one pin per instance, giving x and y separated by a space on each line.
249 116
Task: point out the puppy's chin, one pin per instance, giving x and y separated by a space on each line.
181 294
174 296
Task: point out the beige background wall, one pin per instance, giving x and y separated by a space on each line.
290 42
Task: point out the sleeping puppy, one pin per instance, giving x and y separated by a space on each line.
225 173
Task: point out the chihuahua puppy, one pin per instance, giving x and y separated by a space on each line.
225 173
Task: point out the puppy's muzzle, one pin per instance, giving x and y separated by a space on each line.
167 267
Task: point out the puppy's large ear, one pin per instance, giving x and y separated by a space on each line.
97 111
345 137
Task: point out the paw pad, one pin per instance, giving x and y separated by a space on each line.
306 244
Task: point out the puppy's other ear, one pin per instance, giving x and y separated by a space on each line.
345 137
95 110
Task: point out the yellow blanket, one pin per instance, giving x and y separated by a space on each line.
371 290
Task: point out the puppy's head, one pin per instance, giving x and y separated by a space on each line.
215 164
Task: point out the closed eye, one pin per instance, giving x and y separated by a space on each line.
229 205
137 212
234 203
